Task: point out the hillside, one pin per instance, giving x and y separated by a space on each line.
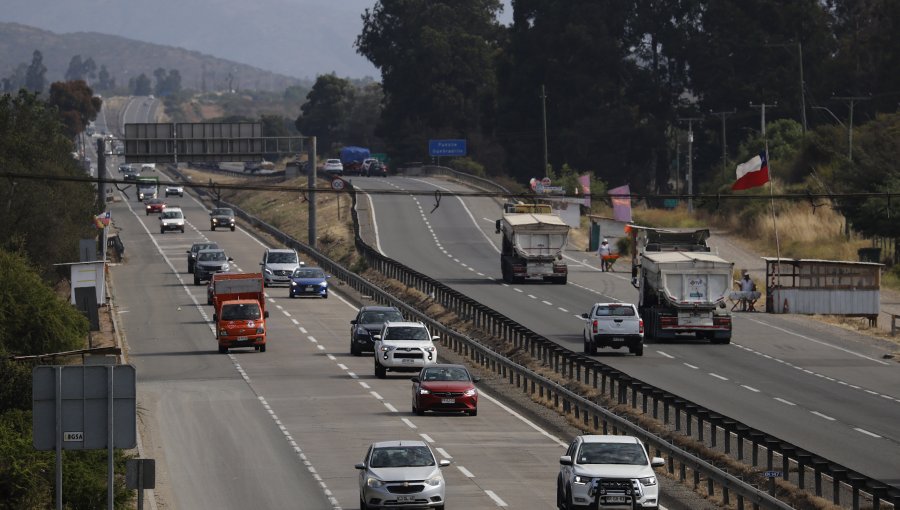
126 58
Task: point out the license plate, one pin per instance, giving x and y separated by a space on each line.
310 287
616 499
405 499
618 339
241 338
448 401
407 361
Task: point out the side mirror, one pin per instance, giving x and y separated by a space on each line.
565 460
354 322
188 252
215 317
444 463
377 336
436 338
360 466
476 379
266 314
657 462
414 379
585 316
230 259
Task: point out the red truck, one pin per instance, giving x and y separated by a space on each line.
240 311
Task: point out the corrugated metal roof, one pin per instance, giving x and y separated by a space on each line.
532 219
683 256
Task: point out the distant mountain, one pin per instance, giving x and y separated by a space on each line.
126 59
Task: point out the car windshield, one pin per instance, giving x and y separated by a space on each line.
207 246
211 255
240 312
407 333
614 311
308 272
445 374
380 317
223 212
172 214
282 258
612 453
401 456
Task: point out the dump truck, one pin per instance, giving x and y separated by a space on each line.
240 311
533 240
682 285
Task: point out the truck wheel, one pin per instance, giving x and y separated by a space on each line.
212 227
589 347
232 228
190 268
561 280
354 350
162 231
638 350
182 229
380 371
223 349
196 279
262 348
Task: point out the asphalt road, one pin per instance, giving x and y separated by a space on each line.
825 389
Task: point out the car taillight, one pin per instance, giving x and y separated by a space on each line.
641 326
596 326
668 321
722 321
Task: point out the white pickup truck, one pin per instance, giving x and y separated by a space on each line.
613 325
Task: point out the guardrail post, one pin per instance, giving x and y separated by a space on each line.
710 487
677 404
657 394
818 467
755 437
727 427
644 391
770 454
836 476
700 419
855 483
689 411
714 423
740 502
786 452
803 460
741 432
725 496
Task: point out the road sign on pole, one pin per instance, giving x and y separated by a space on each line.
437 148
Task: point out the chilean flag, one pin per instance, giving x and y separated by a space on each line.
753 173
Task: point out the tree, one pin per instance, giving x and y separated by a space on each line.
437 65
140 86
76 103
17 79
74 72
167 84
323 113
35 78
41 218
105 81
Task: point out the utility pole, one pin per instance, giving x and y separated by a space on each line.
544 116
724 144
690 171
852 100
802 87
762 122
311 185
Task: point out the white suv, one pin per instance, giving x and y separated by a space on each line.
171 219
278 265
403 347
615 469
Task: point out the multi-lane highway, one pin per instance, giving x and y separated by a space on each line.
825 389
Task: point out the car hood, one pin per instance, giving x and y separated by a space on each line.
211 263
392 474
171 220
221 217
410 344
614 470
308 281
451 386
281 267
371 328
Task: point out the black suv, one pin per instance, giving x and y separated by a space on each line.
368 322
210 262
221 217
192 253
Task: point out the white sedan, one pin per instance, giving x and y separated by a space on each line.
334 167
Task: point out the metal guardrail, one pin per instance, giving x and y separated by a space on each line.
471 180
680 416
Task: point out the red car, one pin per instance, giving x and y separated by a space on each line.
444 388
155 205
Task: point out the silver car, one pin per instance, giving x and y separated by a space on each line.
278 265
401 474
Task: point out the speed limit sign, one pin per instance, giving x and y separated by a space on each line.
337 184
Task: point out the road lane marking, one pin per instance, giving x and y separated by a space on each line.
465 472
866 432
496 498
751 388
376 395
691 366
390 407
443 453
717 376
783 401
427 438
409 423
820 415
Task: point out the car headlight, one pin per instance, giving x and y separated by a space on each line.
470 392
387 348
650 480
223 333
374 482
293 283
435 480
429 349
424 391
581 479
226 266
215 220
260 331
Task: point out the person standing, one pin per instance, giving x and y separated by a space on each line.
604 251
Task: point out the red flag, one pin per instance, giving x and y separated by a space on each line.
753 173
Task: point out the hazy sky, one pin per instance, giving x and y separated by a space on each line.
301 38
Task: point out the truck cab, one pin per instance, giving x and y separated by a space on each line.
241 323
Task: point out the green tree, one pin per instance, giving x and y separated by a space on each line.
42 218
325 111
437 62
35 77
140 86
76 103
36 320
364 112
17 79
105 81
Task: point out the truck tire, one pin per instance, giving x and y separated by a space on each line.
196 279
637 350
223 349
589 347
262 348
380 371
212 227
232 228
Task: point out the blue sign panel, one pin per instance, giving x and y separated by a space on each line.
446 147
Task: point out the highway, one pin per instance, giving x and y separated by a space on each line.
825 389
